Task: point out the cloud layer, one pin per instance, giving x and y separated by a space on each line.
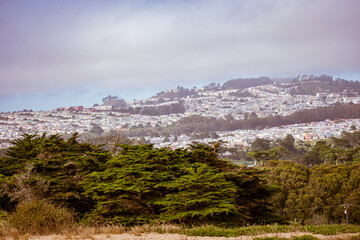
58 45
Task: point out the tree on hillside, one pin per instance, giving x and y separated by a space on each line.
276 153
96 129
288 142
110 98
260 145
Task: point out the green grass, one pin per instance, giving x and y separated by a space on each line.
356 237
332 229
327 230
38 217
270 238
305 237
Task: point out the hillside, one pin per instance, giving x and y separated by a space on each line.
301 85
311 85
199 124
246 83
215 112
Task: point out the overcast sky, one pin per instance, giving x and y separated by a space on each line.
61 53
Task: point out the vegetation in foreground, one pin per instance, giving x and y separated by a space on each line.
326 230
50 180
134 184
86 231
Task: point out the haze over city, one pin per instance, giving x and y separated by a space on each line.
59 53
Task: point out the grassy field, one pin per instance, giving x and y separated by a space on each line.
38 219
257 230
7 231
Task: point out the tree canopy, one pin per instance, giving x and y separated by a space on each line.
136 184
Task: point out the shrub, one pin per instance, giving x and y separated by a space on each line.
305 237
3 215
318 219
270 238
39 217
356 237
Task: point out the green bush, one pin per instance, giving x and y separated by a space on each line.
356 237
305 237
3 215
270 238
39 217
332 229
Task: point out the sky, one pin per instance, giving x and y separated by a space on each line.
57 53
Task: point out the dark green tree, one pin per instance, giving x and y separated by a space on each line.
193 186
288 142
61 163
200 195
131 183
260 145
276 153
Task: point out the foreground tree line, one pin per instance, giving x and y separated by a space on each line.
342 150
137 184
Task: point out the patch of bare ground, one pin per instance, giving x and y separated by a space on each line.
167 236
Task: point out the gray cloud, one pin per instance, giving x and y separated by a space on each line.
47 45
